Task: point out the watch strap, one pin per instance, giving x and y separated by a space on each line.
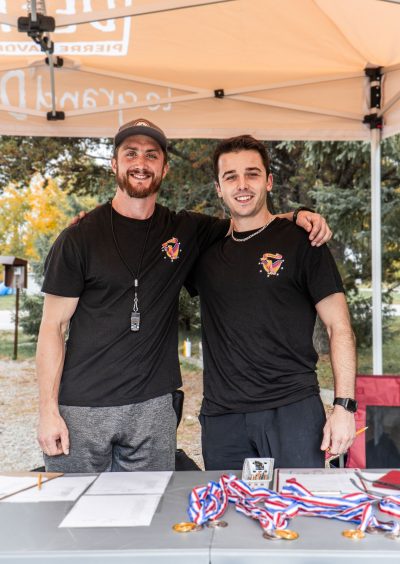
349 404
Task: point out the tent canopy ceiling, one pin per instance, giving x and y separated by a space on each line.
292 69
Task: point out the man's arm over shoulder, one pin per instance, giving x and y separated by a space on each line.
209 229
57 312
312 222
339 431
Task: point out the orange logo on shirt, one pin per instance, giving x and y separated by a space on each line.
171 248
271 263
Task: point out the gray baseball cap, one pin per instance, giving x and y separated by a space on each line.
141 126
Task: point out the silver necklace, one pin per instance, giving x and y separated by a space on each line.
253 234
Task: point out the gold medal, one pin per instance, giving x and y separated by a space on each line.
216 524
286 534
353 534
184 527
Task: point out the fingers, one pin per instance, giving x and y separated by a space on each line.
321 236
338 435
326 440
77 218
316 225
53 436
65 441
51 445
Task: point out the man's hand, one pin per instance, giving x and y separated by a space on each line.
53 434
339 431
316 225
77 218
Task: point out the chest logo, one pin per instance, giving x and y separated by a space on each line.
171 248
271 263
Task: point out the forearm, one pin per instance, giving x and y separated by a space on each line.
49 364
343 360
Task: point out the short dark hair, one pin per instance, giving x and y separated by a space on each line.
236 144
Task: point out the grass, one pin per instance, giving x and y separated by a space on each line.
7 303
391 358
26 347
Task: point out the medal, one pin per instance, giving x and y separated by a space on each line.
393 535
354 534
286 534
186 527
217 524
269 534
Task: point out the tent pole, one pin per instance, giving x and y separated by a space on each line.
376 251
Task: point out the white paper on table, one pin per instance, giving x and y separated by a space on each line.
320 480
152 483
11 484
64 488
112 511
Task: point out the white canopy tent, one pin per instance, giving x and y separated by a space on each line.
287 69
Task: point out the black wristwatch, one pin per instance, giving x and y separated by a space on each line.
348 403
296 213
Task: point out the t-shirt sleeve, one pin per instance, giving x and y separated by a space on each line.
321 275
209 230
63 268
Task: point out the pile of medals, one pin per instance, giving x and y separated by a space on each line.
207 504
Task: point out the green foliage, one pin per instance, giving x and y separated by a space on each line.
189 312
334 178
80 165
31 308
331 177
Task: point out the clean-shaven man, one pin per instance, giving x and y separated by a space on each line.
260 290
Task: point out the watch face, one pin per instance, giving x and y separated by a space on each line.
351 405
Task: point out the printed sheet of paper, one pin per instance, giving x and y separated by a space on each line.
112 511
320 480
65 488
11 484
114 483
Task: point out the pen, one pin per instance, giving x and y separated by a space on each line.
39 481
362 430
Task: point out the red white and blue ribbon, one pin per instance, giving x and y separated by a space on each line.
274 510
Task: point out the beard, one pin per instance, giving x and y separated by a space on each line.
138 190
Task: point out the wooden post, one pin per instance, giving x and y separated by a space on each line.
16 324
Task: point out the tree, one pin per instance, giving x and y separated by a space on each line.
79 164
335 178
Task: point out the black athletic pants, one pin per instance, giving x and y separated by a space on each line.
291 434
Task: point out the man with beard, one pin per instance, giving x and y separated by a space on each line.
114 279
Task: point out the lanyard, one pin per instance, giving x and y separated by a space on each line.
135 314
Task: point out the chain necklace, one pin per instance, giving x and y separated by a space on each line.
135 314
252 234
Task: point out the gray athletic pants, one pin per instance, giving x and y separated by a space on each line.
139 436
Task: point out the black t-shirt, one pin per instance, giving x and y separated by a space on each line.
106 363
258 313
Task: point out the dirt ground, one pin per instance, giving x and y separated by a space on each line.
18 416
